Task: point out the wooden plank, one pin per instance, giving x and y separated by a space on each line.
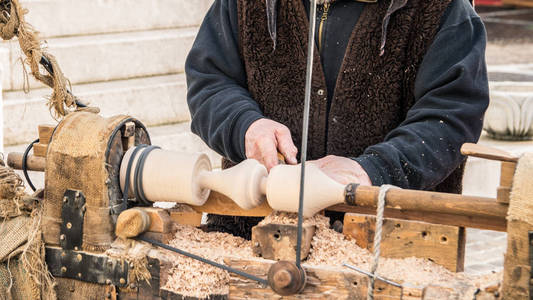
191 218
40 149
278 241
45 133
481 151
442 244
497 224
222 205
322 283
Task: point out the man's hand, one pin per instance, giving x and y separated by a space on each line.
264 138
343 170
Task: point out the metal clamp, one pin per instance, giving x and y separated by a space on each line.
79 265
72 215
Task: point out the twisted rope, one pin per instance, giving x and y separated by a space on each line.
12 24
377 237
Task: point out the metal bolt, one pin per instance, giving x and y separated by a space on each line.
62 237
69 225
79 275
63 269
83 209
122 281
107 181
76 248
321 92
63 254
77 194
79 257
65 199
108 281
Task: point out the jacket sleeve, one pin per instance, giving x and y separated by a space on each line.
451 93
220 104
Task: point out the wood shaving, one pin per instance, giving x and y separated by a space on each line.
328 248
189 277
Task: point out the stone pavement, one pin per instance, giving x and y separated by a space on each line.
484 251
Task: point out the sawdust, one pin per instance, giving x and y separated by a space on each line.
329 248
192 278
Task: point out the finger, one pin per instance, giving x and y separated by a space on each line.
286 146
269 153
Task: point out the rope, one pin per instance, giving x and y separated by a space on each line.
12 24
377 237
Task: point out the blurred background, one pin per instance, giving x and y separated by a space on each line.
127 57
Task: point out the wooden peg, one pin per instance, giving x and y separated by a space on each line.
481 151
45 133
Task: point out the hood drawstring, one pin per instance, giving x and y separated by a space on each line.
272 15
394 6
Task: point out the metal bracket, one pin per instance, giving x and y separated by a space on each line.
72 215
79 265
349 194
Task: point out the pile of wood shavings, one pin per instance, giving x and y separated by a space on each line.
189 277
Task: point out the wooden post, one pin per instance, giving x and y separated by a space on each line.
278 241
445 245
45 134
518 277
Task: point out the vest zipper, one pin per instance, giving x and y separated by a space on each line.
323 21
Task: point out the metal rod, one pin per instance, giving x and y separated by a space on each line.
204 260
370 275
305 125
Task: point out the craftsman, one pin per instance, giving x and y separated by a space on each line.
398 87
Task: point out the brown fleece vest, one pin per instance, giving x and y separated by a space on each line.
373 93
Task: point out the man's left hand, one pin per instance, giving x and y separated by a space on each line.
343 170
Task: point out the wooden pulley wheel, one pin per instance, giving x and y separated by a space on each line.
286 278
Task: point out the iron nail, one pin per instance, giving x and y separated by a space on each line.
62 237
63 269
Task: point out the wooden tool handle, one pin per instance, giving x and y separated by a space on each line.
33 163
480 151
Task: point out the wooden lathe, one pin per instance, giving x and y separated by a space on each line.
89 161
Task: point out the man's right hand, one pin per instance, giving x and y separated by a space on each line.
265 138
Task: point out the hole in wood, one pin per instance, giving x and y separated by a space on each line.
443 239
355 283
277 235
425 234
398 225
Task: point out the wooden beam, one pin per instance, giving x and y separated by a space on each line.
322 283
34 163
159 220
442 244
191 218
497 224
222 205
